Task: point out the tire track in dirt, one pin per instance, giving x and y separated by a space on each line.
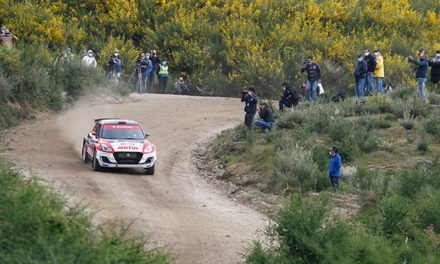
175 205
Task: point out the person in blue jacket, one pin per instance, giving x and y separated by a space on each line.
360 74
421 70
334 172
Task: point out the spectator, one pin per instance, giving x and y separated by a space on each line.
148 71
69 55
163 77
334 171
360 74
421 69
89 60
371 66
141 70
313 78
267 121
112 69
155 70
7 38
119 65
379 72
60 58
435 71
251 100
180 87
289 98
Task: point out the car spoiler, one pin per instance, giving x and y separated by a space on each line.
106 118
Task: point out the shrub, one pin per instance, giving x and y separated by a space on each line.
294 166
432 126
429 207
367 141
423 144
373 122
339 129
289 119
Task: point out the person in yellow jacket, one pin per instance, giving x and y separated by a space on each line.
378 72
163 77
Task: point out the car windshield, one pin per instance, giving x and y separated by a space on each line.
123 132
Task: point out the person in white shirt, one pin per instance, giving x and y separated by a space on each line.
89 60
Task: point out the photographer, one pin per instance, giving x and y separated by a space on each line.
155 62
289 98
7 38
251 100
267 121
180 87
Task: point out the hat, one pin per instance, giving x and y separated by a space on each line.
335 149
438 51
116 51
252 89
90 51
359 55
69 49
421 49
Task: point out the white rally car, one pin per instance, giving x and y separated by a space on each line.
115 143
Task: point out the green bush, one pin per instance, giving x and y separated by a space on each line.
367 141
432 126
36 227
373 122
423 143
294 166
288 119
428 201
339 129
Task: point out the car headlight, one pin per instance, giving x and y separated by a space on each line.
106 148
148 149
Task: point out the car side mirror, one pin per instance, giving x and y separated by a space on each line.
147 135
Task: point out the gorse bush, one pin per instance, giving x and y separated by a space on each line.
241 42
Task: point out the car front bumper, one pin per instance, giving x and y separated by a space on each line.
107 160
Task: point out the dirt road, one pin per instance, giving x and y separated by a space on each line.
175 205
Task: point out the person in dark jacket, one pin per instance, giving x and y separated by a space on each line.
267 121
155 62
360 74
289 98
371 66
435 71
421 69
251 100
313 77
334 171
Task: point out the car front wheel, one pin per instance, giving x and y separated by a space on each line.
150 171
95 163
84 154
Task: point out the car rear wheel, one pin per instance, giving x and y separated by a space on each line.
149 171
95 163
84 154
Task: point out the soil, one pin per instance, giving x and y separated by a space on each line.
176 206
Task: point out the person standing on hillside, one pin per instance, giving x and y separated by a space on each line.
118 65
371 66
435 71
155 70
334 171
251 100
421 69
163 77
89 60
7 38
69 55
60 58
360 73
313 78
289 98
379 72
267 121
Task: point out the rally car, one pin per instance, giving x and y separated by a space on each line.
115 143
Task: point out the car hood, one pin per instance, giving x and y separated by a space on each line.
127 145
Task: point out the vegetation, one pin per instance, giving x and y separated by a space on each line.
222 45
36 227
392 171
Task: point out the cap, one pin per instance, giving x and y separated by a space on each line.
69 49
284 84
421 49
359 55
252 89
438 51
335 149
116 51
90 51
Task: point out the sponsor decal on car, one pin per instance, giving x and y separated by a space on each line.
121 127
128 148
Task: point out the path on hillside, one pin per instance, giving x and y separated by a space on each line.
175 205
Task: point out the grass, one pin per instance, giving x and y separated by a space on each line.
37 226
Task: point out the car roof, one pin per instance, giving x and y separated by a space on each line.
112 121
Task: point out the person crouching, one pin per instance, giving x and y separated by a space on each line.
267 121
